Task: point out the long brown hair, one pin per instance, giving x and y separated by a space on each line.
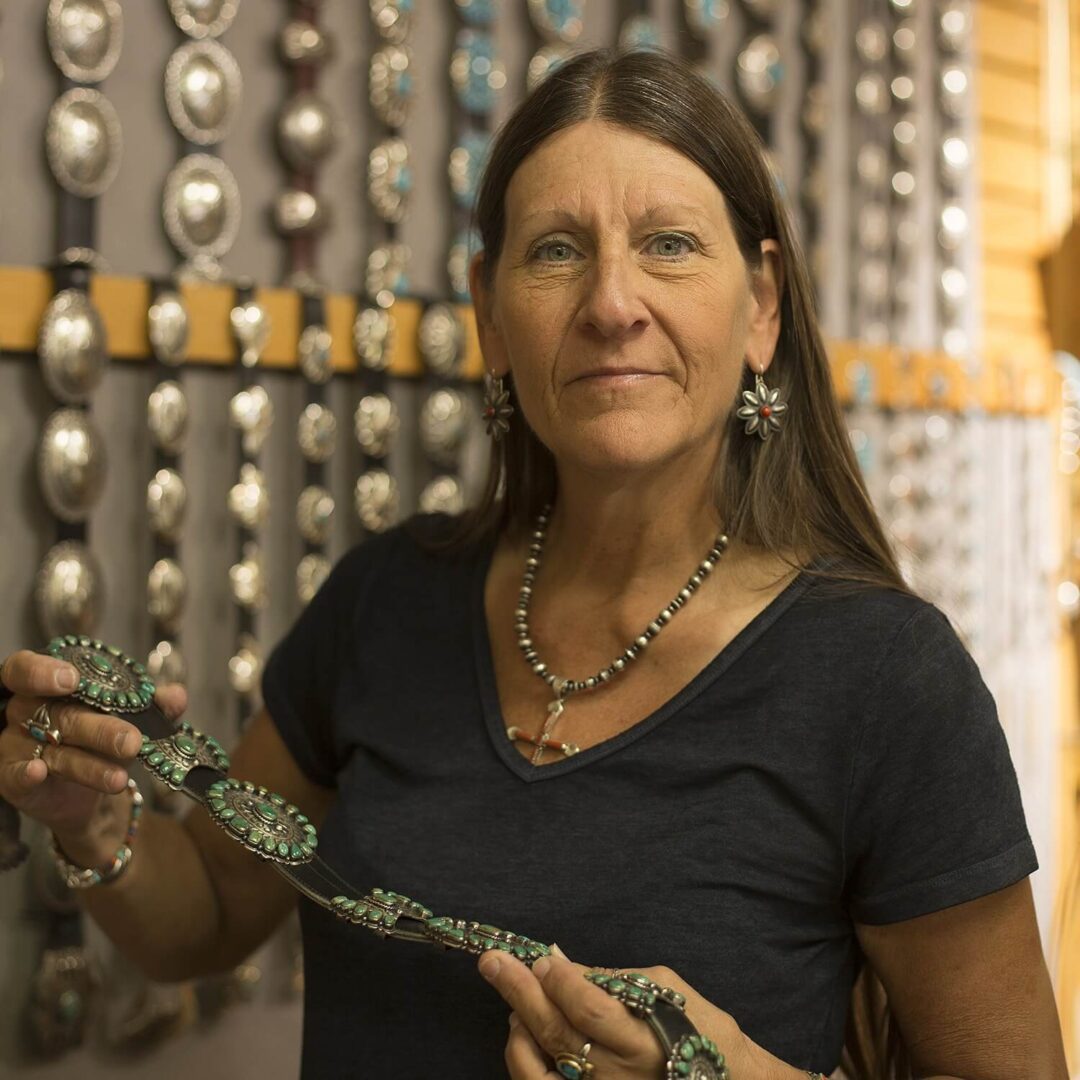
800 492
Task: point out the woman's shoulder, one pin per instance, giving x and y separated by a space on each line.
890 625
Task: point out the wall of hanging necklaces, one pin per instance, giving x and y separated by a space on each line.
237 339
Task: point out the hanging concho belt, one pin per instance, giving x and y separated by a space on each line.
274 830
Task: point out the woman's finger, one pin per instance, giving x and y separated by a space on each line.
590 1009
19 778
171 699
521 990
30 673
82 767
524 1058
100 733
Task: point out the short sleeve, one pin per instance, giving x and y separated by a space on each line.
301 678
934 816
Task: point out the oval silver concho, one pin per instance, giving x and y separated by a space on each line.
314 513
314 350
71 464
171 759
68 590
442 495
72 346
252 412
251 325
376 422
376 499
392 19
390 179
166 502
166 594
166 662
443 422
373 337
311 572
300 213
302 42
306 129
203 87
167 416
316 433
245 666
442 339
386 275
203 18
249 498
167 327
263 822
85 37
390 86
83 142
247 579
201 207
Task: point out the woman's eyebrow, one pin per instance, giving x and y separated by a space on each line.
652 213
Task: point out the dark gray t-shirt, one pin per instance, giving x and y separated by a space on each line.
840 761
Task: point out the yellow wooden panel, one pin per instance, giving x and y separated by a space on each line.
1012 289
1008 33
1009 97
1011 227
1010 163
123 302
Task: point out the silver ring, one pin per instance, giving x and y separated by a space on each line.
40 727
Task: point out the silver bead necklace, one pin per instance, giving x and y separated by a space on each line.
565 687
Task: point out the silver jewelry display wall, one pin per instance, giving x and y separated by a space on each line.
251 413
307 133
83 150
203 90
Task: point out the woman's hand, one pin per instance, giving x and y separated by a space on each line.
556 1010
66 787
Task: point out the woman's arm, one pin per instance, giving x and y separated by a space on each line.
192 900
970 989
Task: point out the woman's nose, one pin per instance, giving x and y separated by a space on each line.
614 305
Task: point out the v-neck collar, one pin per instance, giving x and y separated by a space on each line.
518 764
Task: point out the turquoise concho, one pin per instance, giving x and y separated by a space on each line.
379 910
107 678
172 758
263 822
696 1057
477 938
636 991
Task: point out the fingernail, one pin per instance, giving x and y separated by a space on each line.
558 952
542 967
123 741
489 965
514 1021
67 678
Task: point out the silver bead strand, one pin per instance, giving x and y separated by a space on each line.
566 687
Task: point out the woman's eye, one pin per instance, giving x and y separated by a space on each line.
559 249
673 245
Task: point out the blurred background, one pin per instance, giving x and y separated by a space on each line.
235 339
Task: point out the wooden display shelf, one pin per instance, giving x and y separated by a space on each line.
898 379
123 303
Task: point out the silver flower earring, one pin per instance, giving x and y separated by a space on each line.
762 409
497 408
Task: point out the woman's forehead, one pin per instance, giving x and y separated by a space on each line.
595 164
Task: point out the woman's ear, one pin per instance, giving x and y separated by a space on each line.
766 295
484 309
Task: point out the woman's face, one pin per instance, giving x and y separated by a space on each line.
621 303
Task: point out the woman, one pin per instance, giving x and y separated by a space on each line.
793 770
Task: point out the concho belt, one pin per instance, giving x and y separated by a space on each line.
276 831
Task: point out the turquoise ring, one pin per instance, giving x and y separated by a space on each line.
575 1066
40 727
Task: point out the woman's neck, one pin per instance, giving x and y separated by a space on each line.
603 538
